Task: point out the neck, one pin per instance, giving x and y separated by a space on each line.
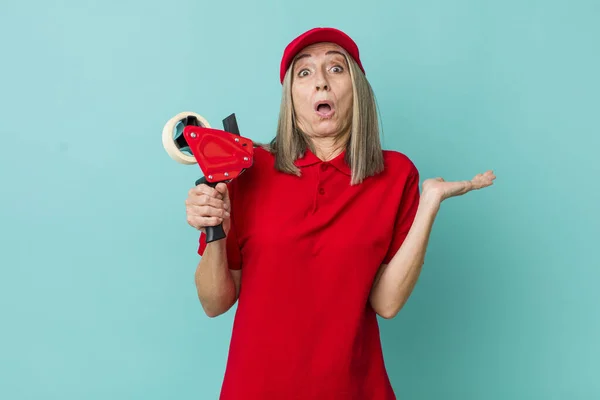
328 148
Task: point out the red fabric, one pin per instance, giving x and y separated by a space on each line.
309 248
317 35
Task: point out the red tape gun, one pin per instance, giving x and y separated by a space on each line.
221 154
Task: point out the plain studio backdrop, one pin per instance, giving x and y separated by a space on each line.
97 295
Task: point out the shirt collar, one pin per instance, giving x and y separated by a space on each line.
338 162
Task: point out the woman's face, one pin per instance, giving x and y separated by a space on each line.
322 91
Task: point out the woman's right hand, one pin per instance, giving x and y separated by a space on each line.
207 206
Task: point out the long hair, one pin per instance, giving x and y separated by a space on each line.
363 149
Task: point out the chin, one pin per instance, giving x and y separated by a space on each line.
326 128
325 133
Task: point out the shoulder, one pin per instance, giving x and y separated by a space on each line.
396 162
263 161
263 155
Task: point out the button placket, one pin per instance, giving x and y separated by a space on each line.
323 171
324 167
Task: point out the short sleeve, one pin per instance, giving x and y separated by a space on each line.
234 258
405 216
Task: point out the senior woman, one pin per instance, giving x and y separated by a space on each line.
324 232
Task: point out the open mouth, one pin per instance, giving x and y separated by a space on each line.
324 108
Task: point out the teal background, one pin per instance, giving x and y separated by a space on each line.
97 295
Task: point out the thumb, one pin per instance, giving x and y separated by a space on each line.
224 190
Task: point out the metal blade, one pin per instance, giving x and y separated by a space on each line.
230 125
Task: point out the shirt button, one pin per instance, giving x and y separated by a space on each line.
323 167
321 191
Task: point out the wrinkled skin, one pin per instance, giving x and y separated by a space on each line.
320 74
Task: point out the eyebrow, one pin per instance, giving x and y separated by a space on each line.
304 55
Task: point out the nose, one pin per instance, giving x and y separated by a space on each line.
321 83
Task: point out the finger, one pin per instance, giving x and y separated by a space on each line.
206 200
207 211
214 193
203 222
205 189
211 221
489 174
482 182
222 189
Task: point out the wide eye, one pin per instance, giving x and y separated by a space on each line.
303 72
336 69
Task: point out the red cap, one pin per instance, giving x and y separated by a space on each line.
317 35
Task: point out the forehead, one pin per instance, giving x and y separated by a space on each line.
320 50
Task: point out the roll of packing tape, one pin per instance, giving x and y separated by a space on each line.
170 134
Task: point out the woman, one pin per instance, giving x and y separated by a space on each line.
324 232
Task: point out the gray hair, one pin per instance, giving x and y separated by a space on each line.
363 149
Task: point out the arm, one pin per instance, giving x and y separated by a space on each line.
218 286
394 282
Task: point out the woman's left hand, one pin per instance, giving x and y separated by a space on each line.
438 190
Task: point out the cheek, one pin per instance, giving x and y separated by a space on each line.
347 100
344 92
301 101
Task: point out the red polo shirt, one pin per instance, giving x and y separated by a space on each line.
309 248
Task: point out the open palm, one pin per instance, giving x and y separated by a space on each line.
442 190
